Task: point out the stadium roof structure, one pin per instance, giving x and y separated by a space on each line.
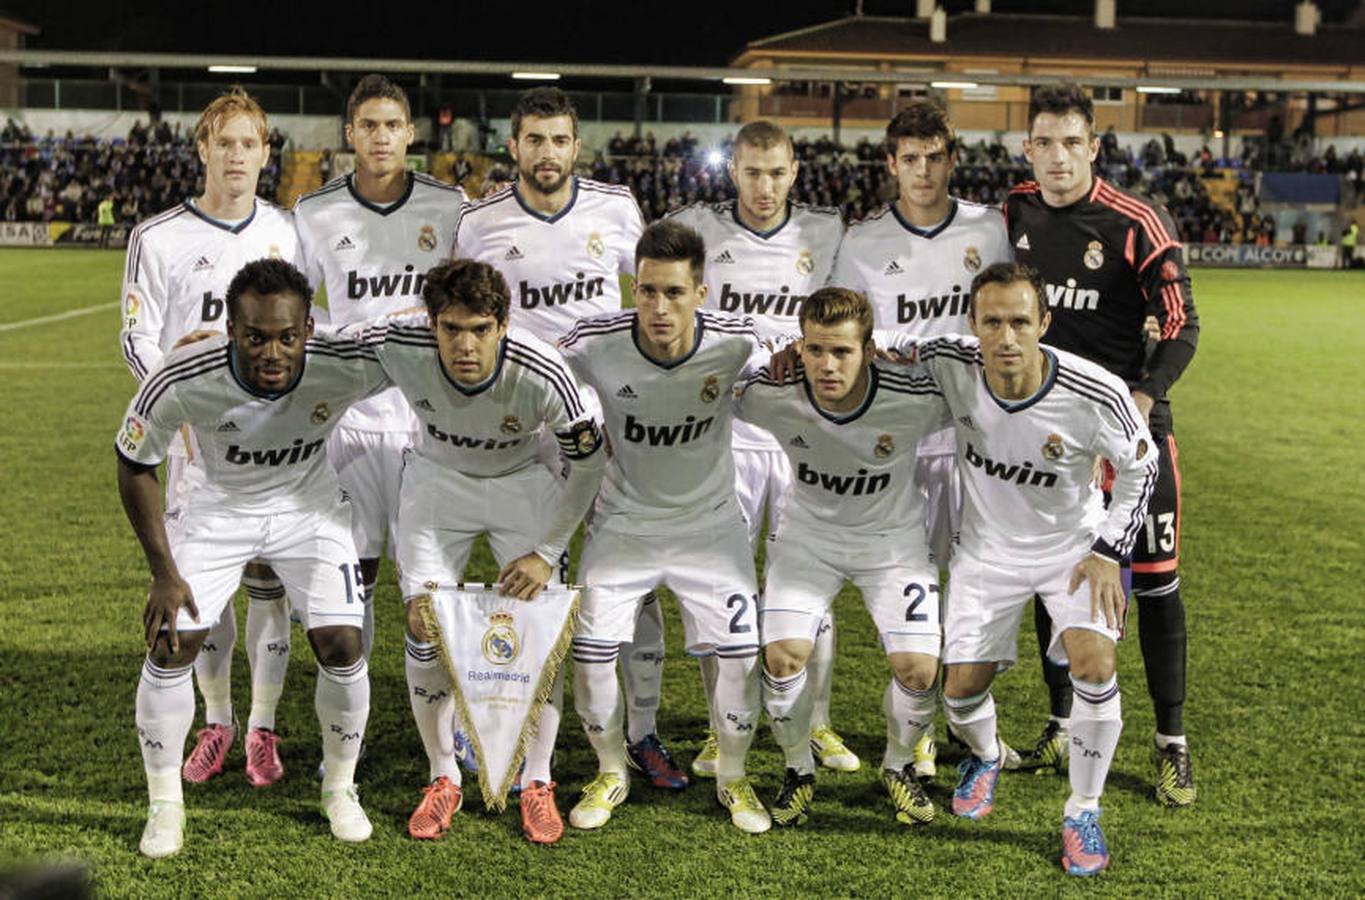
1196 43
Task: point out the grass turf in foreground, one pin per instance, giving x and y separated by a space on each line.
1269 431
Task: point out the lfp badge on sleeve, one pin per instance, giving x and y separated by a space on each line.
503 656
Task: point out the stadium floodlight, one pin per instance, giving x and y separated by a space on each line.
238 70
737 79
536 76
1156 89
715 158
960 85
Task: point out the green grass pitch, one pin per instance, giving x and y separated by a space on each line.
1270 427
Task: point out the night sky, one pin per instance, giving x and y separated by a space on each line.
700 32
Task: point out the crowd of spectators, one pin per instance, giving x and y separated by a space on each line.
52 178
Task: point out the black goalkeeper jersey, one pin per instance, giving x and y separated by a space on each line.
1109 260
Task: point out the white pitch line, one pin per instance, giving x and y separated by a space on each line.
57 317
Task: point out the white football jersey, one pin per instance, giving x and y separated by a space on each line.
559 268
1027 465
668 425
918 280
373 260
178 269
854 471
491 429
261 453
766 275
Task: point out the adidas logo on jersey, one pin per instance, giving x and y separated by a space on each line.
344 244
893 268
228 426
627 393
967 422
425 404
1025 474
1022 243
799 441
202 264
514 253
724 258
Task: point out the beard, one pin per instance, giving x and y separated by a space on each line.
531 180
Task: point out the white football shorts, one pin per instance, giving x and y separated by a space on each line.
311 551
761 477
711 570
443 511
898 582
939 482
986 603
368 465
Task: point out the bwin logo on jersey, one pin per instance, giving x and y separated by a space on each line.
561 293
952 304
783 303
858 485
408 284
690 429
1025 474
1068 296
474 443
284 456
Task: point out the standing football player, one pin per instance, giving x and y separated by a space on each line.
851 428
370 237
1109 258
563 243
260 402
766 254
175 280
483 392
1029 422
667 512
914 261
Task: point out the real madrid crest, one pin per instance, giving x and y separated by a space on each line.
511 425
596 246
1094 255
500 642
274 252
886 445
426 238
971 260
1054 448
805 263
431 585
710 390
320 414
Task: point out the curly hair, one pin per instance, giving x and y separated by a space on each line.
268 276
476 286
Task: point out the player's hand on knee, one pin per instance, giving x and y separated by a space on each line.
194 337
1106 588
167 595
525 577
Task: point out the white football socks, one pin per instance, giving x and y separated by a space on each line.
788 702
342 701
432 698
909 714
165 711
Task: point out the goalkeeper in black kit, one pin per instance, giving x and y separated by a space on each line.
1110 258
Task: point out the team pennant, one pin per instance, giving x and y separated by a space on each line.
503 656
